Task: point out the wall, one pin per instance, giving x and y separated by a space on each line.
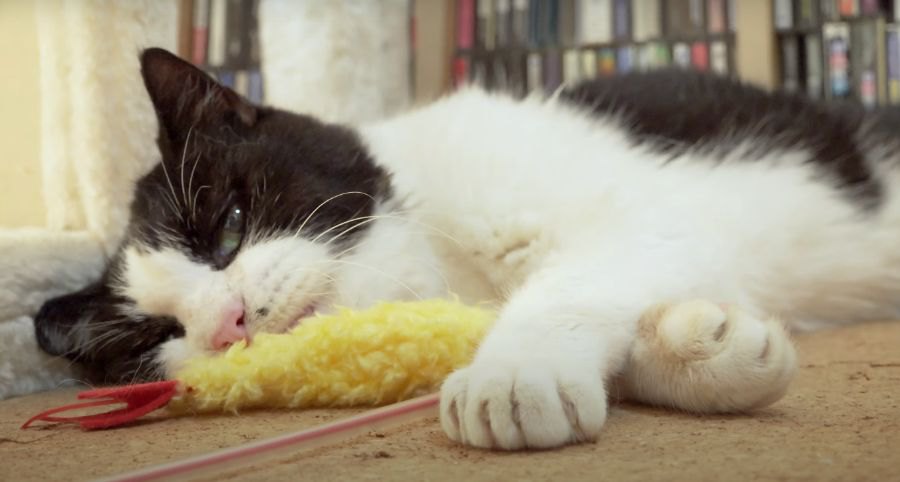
21 203
755 53
434 46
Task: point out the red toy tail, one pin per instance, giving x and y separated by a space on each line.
139 400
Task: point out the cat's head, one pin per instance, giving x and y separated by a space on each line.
254 219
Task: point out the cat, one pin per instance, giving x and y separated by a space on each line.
642 236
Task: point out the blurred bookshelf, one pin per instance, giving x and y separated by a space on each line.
527 45
829 49
222 38
840 49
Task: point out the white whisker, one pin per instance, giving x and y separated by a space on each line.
178 209
187 142
314 211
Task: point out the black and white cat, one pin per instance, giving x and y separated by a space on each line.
639 234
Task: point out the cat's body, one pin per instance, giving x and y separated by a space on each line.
590 220
745 220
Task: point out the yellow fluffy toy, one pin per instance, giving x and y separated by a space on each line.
380 355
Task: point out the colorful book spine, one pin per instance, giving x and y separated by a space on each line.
200 32
486 26
478 72
518 78
567 16
732 18
535 16
848 8
715 16
814 76
867 60
625 59
790 62
700 55
622 19
836 40
892 48
589 65
607 62
662 54
236 43
461 66
218 11
646 20
571 66
465 24
869 7
684 18
535 72
595 21
784 14
256 87
550 25
520 18
255 57
807 13
498 74
828 10
226 78
718 57
553 75
503 18
681 55
242 82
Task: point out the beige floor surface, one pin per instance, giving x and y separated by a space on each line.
840 421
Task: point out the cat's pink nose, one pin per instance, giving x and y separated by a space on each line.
231 328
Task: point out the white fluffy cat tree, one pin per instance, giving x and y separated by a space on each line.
343 60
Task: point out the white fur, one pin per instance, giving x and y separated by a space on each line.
98 132
36 265
34 370
586 233
606 261
284 275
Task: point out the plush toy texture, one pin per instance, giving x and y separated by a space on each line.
390 352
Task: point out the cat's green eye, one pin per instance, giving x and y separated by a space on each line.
230 235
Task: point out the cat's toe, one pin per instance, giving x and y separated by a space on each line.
693 330
704 357
452 405
514 406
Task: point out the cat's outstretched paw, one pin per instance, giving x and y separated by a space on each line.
526 404
703 357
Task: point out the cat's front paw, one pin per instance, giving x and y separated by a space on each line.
526 404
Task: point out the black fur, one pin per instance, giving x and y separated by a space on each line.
218 151
279 166
97 329
676 110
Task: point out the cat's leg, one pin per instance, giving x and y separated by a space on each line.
705 357
538 378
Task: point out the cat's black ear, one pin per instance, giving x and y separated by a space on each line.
185 97
101 331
